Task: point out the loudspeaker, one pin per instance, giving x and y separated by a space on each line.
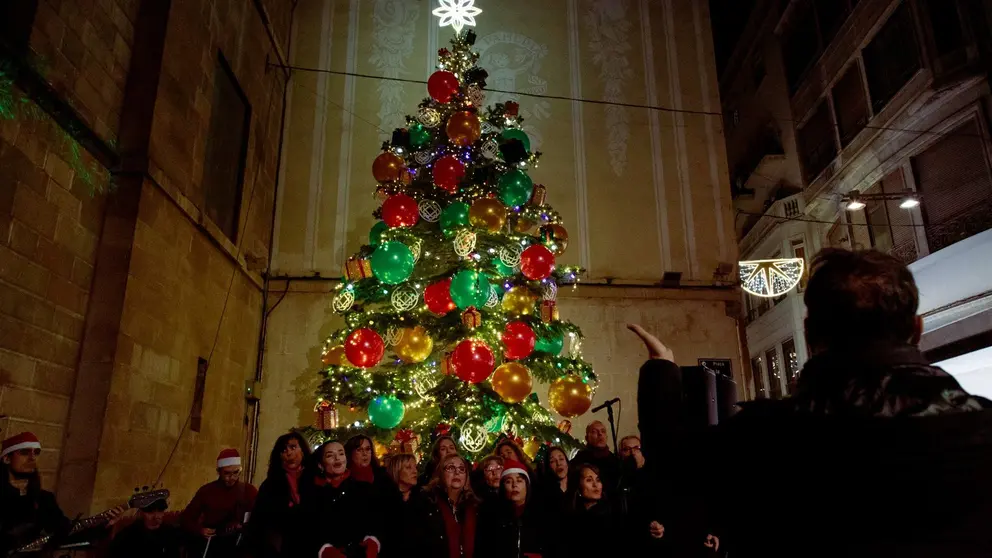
699 392
726 397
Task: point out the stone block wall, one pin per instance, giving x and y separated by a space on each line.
49 225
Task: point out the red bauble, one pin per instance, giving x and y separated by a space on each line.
473 361
438 297
448 172
537 262
518 340
442 86
364 348
400 210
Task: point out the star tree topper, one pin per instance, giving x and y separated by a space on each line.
457 13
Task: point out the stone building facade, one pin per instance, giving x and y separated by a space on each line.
136 209
882 99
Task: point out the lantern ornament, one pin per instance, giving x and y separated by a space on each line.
771 278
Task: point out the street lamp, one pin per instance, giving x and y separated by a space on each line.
854 202
910 200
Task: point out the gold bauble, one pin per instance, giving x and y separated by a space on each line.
519 301
531 447
389 167
381 450
487 213
335 357
569 396
512 382
523 225
414 345
555 237
464 128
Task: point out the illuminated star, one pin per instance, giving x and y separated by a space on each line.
770 278
457 13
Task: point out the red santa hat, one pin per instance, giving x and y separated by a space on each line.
24 440
228 457
512 466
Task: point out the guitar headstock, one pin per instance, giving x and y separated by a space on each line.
147 497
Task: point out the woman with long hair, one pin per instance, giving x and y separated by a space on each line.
456 504
487 475
444 446
277 504
510 451
590 511
338 512
412 529
511 526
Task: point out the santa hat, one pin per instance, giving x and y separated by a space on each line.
24 440
228 457
511 466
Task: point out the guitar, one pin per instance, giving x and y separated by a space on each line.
139 500
225 539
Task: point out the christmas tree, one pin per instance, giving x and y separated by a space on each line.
450 310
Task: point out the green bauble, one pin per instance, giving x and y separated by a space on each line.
419 135
502 269
552 344
515 188
453 217
386 411
392 262
517 134
375 235
469 288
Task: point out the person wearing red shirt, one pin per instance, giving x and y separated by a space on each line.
219 509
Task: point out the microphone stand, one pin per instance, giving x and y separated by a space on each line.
613 426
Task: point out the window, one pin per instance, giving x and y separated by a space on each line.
196 412
227 147
879 232
758 70
799 251
791 365
800 46
901 229
759 385
774 374
892 57
948 37
830 14
850 104
955 188
816 142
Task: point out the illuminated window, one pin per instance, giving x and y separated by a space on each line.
791 365
774 374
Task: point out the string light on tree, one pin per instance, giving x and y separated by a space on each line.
461 223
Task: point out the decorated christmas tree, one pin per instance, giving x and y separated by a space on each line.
450 310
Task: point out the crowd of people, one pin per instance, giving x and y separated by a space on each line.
876 453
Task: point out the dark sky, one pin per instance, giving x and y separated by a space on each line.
728 18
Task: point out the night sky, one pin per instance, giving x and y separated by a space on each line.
728 18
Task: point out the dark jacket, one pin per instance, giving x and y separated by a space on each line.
270 531
26 518
638 501
342 516
877 454
136 541
501 534
592 533
415 528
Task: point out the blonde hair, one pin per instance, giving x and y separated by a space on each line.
489 459
395 463
437 482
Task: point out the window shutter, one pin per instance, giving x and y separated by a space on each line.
850 104
903 232
953 179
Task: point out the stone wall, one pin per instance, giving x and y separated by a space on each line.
49 224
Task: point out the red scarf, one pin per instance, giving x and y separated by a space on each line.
334 481
363 474
293 478
461 535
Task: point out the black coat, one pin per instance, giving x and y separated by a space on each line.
415 527
137 542
271 529
342 516
878 454
639 501
500 534
607 463
26 518
592 533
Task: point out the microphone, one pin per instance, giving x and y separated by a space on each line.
605 404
